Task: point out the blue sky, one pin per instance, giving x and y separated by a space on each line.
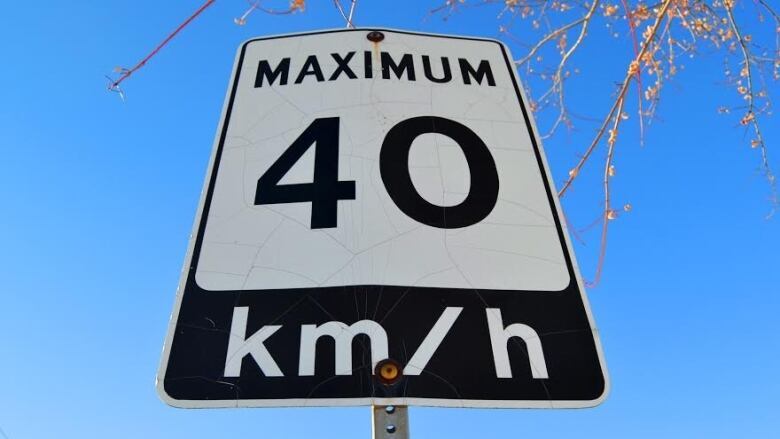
98 201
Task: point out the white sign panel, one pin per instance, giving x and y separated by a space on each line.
379 195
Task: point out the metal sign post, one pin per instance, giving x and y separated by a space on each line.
390 422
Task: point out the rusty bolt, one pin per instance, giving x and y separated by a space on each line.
375 36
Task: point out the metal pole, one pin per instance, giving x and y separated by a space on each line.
390 422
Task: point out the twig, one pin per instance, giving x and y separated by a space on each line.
546 39
346 16
114 86
352 13
242 19
771 11
632 70
609 214
558 79
632 28
750 117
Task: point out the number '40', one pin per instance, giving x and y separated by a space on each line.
326 190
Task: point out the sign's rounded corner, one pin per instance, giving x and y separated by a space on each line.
605 391
245 44
502 45
607 382
166 397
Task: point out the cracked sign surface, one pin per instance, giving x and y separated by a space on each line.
372 200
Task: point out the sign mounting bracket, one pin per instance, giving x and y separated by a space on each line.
390 422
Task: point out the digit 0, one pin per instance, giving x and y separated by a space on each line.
394 169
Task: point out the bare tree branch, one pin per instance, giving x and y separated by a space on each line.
347 16
750 117
633 69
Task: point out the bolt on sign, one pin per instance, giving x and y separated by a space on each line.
378 226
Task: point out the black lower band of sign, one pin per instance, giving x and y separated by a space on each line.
462 366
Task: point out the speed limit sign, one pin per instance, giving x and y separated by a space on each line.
379 197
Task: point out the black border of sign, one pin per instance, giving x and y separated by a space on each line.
192 257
